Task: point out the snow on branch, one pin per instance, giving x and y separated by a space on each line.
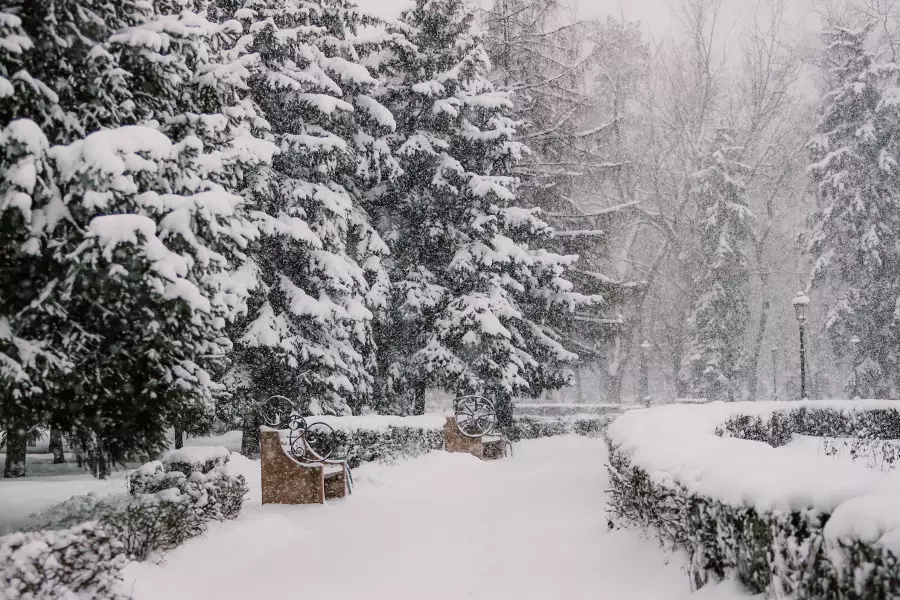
598 213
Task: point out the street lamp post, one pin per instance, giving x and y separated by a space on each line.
801 306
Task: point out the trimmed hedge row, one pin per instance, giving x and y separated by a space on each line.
80 546
528 428
393 442
780 554
388 445
778 429
569 410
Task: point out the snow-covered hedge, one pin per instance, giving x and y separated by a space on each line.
162 509
526 428
385 438
83 561
563 410
370 438
719 481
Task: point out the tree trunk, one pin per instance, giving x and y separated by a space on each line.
250 436
615 387
678 349
56 446
102 471
579 386
16 449
644 384
504 407
419 400
179 438
756 352
78 448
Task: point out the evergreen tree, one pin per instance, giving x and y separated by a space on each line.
142 337
148 287
316 269
472 285
29 351
720 315
854 238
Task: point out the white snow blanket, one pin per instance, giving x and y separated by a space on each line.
677 445
439 527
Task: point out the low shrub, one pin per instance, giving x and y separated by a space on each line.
592 427
80 545
84 561
152 522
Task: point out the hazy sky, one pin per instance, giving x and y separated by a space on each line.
658 16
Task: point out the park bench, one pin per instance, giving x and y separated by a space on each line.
307 469
474 429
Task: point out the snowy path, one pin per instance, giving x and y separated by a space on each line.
444 526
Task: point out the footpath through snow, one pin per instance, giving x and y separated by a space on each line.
444 526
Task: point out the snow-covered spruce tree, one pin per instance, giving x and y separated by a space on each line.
317 267
854 238
148 285
122 51
474 291
69 60
27 329
214 105
29 350
719 319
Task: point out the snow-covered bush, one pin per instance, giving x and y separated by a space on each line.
194 458
719 481
163 507
197 473
152 522
79 562
141 524
71 512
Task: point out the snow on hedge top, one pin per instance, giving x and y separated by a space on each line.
677 444
197 455
379 422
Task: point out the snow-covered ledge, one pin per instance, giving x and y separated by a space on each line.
677 445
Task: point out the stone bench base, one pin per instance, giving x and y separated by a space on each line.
285 480
488 447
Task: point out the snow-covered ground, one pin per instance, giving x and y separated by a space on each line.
21 498
440 526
